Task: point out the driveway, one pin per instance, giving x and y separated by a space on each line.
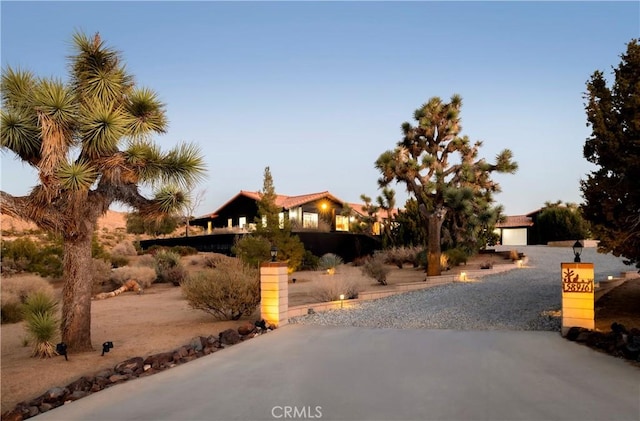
346 373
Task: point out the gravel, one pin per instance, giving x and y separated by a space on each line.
519 299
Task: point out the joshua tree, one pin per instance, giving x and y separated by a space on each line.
89 141
421 160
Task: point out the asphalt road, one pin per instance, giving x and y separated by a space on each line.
326 373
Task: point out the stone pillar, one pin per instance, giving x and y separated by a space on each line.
274 293
577 296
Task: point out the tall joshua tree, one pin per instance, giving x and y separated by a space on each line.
89 141
421 160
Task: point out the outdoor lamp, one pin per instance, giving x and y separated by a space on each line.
61 349
341 300
106 347
274 253
577 251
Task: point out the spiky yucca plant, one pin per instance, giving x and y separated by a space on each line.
89 140
40 314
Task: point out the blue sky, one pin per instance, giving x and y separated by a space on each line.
318 90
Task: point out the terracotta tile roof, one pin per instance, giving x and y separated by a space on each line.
516 221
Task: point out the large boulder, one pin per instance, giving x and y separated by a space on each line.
230 337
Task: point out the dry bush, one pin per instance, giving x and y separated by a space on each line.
375 268
213 260
124 248
400 255
514 255
144 275
229 291
331 289
145 260
101 273
14 292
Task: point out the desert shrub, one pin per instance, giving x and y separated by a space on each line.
229 291
309 261
168 267
514 255
212 261
124 248
100 272
400 255
252 250
25 255
331 289
40 314
145 276
154 249
138 247
375 268
97 249
360 260
329 262
16 289
444 262
146 260
290 250
10 308
118 261
457 256
184 250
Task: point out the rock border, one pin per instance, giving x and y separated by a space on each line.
618 342
134 368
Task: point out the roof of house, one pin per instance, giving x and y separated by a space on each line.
515 221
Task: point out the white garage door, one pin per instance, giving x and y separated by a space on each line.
514 236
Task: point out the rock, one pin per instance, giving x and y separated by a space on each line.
261 324
573 332
96 387
189 358
618 328
55 394
159 360
33 411
132 365
78 394
83 383
311 311
213 342
13 415
583 336
182 352
116 378
246 329
105 373
198 343
273 327
44 407
229 337
148 372
146 367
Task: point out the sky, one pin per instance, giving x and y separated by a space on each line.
318 90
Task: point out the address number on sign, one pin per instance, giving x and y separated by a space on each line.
577 286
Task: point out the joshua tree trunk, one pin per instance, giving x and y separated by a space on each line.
76 293
435 219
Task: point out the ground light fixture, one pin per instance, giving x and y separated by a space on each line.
61 349
274 253
577 251
610 278
106 346
463 276
341 300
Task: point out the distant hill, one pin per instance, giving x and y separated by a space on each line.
112 221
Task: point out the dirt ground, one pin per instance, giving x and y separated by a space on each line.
161 320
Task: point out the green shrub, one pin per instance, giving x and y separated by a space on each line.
168 267
25 255
97 249
184 250
252 250
40 313
145 276
375 268
11 308
229 291
309 261
457 256
329 262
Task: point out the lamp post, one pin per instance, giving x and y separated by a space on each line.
577 251
274 253
341 300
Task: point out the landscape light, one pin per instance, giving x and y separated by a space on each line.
106 347
610 278
463 276
577 251
61 349
341 300
274 253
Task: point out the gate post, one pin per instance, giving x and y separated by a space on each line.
274 293
577 296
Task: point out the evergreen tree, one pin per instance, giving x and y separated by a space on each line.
612 192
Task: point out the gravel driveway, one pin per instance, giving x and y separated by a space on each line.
520 299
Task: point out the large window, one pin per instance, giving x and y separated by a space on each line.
342 223
309 220
242 221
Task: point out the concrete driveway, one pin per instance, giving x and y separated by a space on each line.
312 372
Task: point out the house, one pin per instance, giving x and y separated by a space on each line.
321 212
514 230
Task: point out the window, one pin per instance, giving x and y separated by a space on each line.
242 221
342 223
229 223
281 220
309 220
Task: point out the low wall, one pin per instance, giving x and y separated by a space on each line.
570 243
